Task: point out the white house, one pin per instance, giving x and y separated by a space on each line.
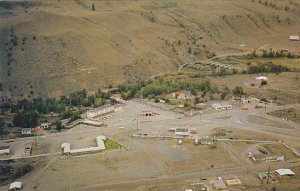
4 150
182 132
294 37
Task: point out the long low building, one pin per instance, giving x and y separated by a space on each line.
66 147
220 107
103 110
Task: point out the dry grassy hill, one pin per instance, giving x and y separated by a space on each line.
47 46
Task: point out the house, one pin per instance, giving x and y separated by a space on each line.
26 131
294 38
15 186
217 106
219 184
284 173
4 150
182 132
45 125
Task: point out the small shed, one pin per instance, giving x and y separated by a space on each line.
45 125
15 186
294 38
4 150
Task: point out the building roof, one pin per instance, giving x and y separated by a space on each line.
294 37
182 130
262 78
26 129
282 172
15 185
219 184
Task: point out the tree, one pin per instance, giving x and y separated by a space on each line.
238 90
93 7
263 83
59 126
26 119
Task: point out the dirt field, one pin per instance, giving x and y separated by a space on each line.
267 122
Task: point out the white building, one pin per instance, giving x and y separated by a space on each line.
4 150
103 110
45 125
15 186
220 107
294 37
283 173
66 147
182 132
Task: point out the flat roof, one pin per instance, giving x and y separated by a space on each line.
15 185
219 184
283 172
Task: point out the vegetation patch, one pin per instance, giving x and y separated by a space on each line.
111 144
287 114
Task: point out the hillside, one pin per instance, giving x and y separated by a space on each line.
50 48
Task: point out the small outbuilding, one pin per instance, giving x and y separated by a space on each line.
45 125
294 38
15 186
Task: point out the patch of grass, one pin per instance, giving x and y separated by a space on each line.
111 144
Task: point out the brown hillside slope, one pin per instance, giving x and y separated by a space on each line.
47 46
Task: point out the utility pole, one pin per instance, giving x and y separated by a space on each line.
268 175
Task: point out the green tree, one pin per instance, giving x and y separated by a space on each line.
238 90
59 126
93 7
